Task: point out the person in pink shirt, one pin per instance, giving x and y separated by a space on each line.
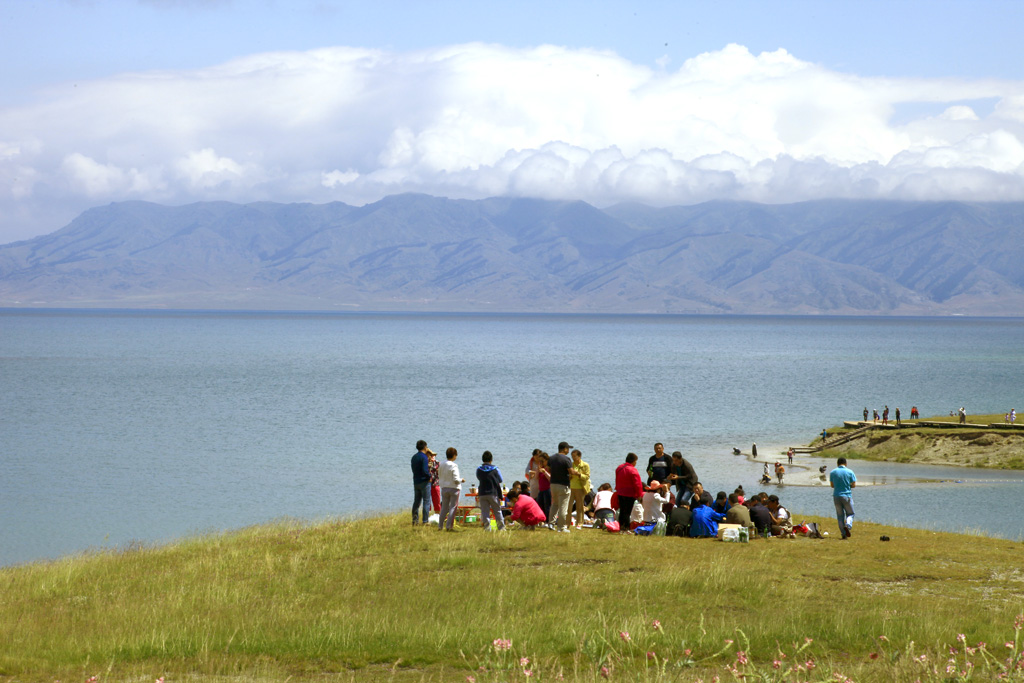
525 510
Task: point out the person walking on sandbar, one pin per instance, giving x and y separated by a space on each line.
843 481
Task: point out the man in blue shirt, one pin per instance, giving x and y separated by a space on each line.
704 523
420 483
843 481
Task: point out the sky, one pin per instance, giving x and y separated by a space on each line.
178 101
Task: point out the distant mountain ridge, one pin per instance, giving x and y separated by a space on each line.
418 252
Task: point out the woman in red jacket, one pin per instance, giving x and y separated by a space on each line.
628 487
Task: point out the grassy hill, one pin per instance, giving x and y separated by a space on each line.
375 599
974 445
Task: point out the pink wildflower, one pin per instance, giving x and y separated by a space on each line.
741 657
605 673
728 641
502 644
625 636
1009 645
873 655
982 645
687 652
656 625
1018 623
471 679
808 640
524 661
961 637
810 664
923 658
951 669
776 664
650 655
883 639
528 672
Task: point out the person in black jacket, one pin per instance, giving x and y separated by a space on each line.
489 492
683 477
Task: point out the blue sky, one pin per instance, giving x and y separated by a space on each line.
663 102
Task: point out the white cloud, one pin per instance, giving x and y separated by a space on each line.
336 178
478 120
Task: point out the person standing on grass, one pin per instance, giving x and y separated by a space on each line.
543 477
659 465
579 485
420 483
488 493
560 465
451 489
843 481
683 476
531 475
435 486
628 488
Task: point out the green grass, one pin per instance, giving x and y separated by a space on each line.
375 599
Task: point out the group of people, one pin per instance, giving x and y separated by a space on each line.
558 485
914 414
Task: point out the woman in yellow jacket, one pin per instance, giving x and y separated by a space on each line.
579 484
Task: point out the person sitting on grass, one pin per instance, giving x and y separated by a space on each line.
782 522
655 497
700 496
759 515
721 504
526 511
603 511
705 521
738 513
679 521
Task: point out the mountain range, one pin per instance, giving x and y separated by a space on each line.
415 252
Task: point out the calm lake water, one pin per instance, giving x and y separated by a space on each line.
147 426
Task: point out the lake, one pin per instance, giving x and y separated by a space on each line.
145 426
